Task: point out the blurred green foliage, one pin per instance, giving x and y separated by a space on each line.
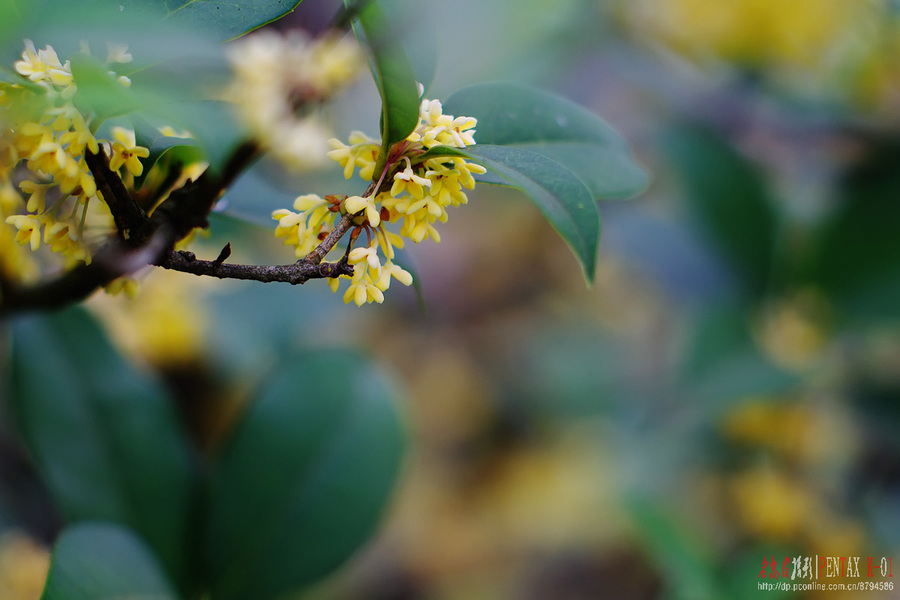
727 391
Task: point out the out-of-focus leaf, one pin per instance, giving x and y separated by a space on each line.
750 562
305 477
167 56
724 364
103 561
104 436
512 115
567 371
688 571
169 149
98 91
857 256
560 195
227 20
729 196
391 68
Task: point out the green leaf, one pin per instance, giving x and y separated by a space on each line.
856 252
305 477
104 436
102 561
392 70
679 553
98 91
560 195
512 115
172 151
724 364
730 199
223 20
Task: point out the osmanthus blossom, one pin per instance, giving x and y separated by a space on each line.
278 78
420 192
57 200
50 199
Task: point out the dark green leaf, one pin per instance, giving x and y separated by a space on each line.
305 477
724 364
392 70
172 151
560 195
102 561
104 435
729 196
856 257
512 115
223 20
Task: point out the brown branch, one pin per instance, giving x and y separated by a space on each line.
188 207
300 272
129 217
149 241
342 227
110 262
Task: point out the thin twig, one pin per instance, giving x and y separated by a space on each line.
300 272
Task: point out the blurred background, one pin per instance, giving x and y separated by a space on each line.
728 389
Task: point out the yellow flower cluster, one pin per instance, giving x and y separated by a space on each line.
43 142
278 77
422 187
754 32
845 50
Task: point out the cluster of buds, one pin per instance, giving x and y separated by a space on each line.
413 190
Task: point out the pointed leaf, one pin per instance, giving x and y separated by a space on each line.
392 70
102 561
224 20
560 195
305 477
104 436
513 115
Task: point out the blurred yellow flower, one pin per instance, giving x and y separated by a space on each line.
755 32
800 432
792 330
770 504
163 324
23 567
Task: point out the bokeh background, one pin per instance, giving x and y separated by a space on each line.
728 389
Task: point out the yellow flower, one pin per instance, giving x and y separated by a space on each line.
407 182
29 230
419 195
389 270
362 152
368 255
275 75
24 564
43 66
363 290
302 229
125 151
357 204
